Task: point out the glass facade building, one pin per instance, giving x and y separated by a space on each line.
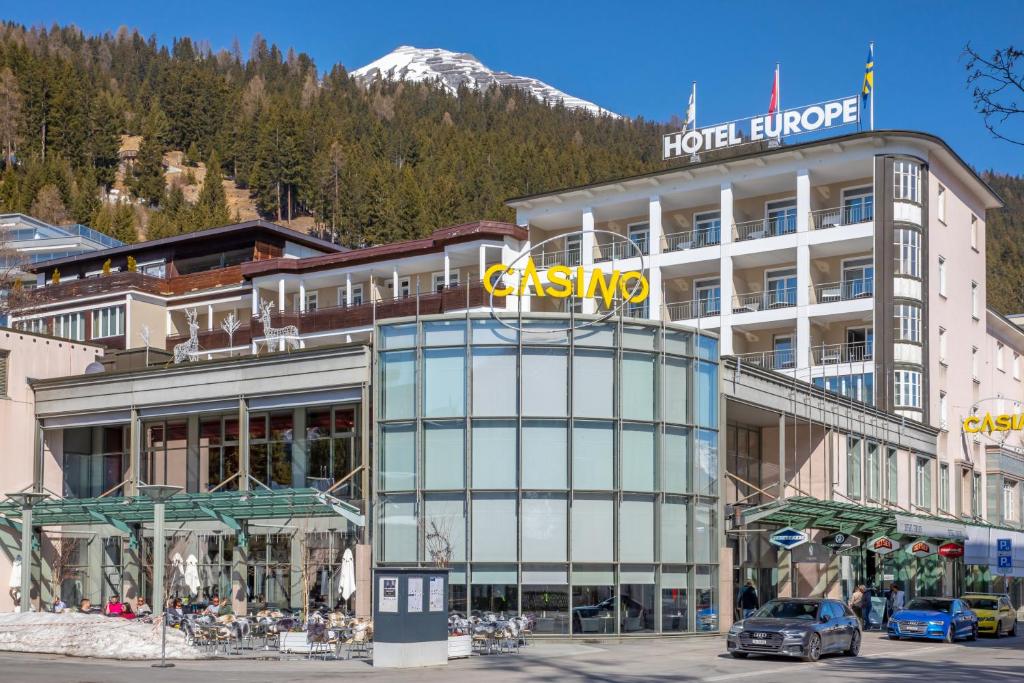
569 475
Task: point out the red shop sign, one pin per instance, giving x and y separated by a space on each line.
951 550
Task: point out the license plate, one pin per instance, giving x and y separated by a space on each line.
759 641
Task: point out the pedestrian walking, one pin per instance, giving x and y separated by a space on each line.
855 603
749 601
866 607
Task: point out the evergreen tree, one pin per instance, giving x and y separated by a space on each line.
212 204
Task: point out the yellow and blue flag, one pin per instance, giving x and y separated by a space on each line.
869 77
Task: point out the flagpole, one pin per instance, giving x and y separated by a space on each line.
693 96
872 115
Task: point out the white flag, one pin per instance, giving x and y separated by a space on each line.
691 109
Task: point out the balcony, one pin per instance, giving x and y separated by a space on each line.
561 257
92 286
693 239
847 290
835 354
770 226
779 359
621 249
347 317
778 297
839 216
688 310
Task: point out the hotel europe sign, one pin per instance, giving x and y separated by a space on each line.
767 127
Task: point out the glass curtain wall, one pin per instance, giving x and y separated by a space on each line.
569 475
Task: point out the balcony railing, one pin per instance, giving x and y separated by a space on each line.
779 359
772 226
70 290
695 308
779 297
560 257
621 249
693 239
857 288
334 318
833 354
841 215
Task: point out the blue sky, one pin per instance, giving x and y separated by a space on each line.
634 58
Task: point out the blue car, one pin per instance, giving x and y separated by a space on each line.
945 619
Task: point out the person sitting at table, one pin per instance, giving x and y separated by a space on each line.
141 607
213 608
114 607
85 606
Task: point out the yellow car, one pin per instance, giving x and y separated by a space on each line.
996 615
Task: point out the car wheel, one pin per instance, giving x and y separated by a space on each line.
999 630
974 633
855 644
1013 628
894 637
739 655
813 651
948 636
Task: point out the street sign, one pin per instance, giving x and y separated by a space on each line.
1004 545
811 553
839 542
951 550
1005 562
922 548
788 538
883 545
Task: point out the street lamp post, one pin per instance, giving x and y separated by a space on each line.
27 499
159 494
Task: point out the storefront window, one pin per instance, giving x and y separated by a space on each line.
494 590
674 609
593 606
271 448
544 527
495 526
637 457
707 462
706 394
494 454
637 608
333 450
494 382
637 386
707 599
544 454
444 382
676 385
165 454
705 540
218 453
548 604
593 383
398 372
673 529
88 474
676 460
444 532
544 378
398 528
444 455
636 529
398 457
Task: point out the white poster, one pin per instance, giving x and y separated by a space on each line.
389 594
437 594
415 594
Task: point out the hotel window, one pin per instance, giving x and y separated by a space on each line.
942 275
639 234
908 323
974 232
1009 500
976 495
707 228
108 322
858 205
69 326
854 468
154 269
573 250
1016 366
940 204
4 355
874 468
907 389
974 300
908 252
781 217
974 363
357 295
312 298
942 345
907 181
37 325
892 476
943 410
404 287
944 487
453 280
922 483
999 357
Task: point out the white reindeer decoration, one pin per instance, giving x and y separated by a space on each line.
288 336
188 349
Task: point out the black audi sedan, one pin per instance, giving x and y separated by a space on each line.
798 627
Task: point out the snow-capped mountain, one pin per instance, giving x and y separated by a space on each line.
453 69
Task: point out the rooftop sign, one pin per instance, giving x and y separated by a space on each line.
808 119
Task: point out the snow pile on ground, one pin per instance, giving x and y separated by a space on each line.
89 635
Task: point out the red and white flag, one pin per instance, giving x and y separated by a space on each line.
773 103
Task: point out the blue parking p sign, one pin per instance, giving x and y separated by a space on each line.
1005 562
1004 545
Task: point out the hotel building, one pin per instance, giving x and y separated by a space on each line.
608 471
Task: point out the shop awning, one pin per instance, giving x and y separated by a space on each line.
225 506
833 515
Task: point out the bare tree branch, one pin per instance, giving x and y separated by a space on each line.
997 88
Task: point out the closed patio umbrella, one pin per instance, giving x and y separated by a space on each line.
347 583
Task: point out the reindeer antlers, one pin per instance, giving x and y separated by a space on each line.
266 306
190 314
